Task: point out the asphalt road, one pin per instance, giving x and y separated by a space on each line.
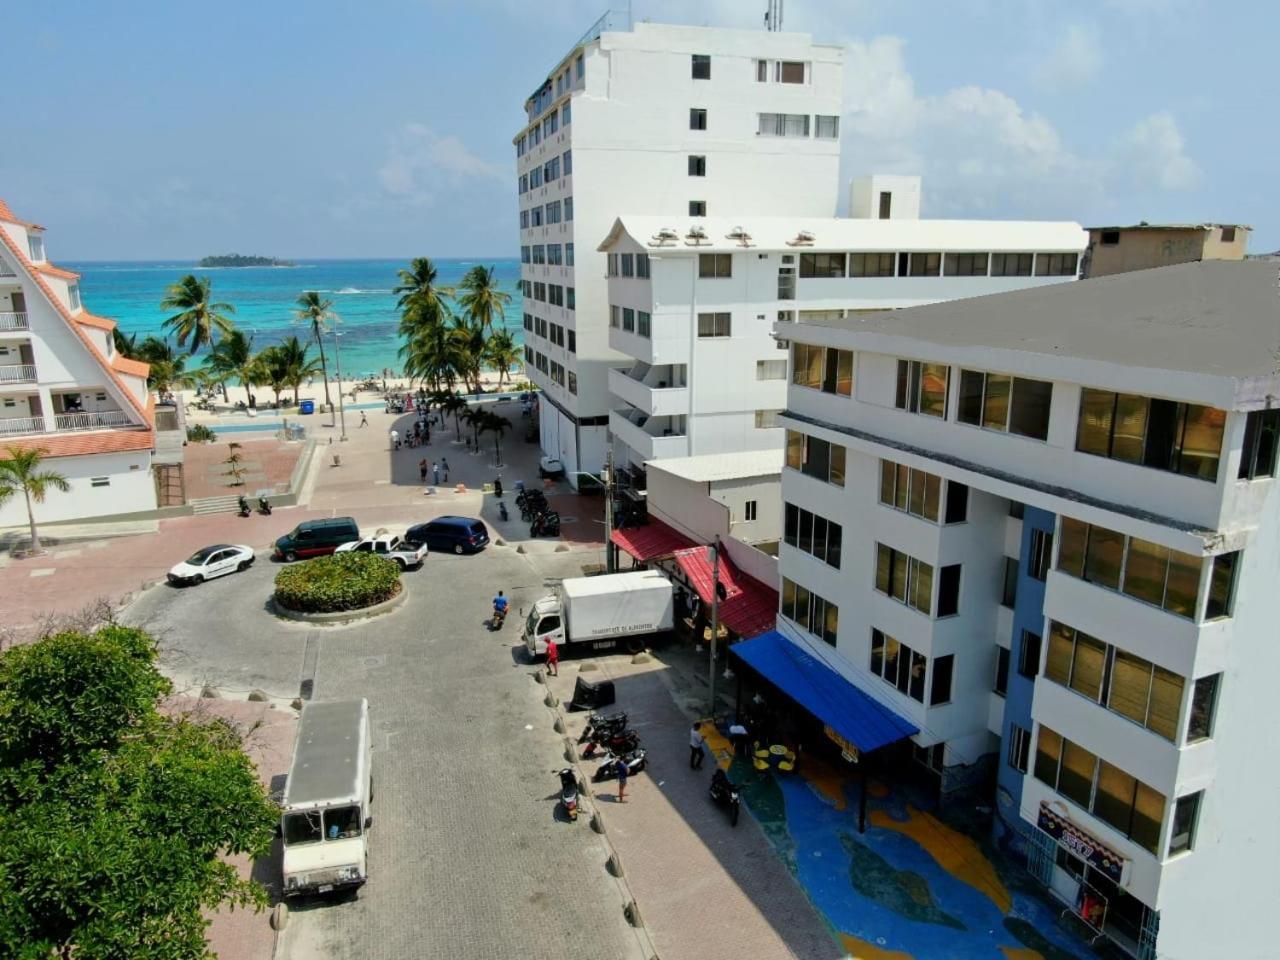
467 857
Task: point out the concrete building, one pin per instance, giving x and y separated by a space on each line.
1146 245
64 389
673 121
1043 530
692 304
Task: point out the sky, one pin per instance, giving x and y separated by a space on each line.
154 129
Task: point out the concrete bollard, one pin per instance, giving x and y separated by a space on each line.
540 675
615 864
588 667
632 913
258 696
597 822
521 549
558 726
279 916
570 751
562 548
551 700
640 658
209 692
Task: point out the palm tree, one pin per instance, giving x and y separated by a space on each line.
454 404
500 352
496 424
273 369
233 357
482 299
417 288
297 365
168 367
20 471
126 344
200 316
432 353
319 313
469 337
473 417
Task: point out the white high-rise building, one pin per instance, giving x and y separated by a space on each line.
1042 529
676 122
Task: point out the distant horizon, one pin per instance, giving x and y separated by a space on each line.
196 260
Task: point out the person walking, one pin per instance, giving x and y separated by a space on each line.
364 419
696 749
444 466
422 469
435 474
395 439
623 771
553 657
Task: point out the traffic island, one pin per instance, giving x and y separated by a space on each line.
338 588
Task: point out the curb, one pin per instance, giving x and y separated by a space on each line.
342 616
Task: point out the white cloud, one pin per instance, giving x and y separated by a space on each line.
1074 62
1155 151
422 163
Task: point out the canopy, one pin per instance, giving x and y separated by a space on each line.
850 713
748 608
652 541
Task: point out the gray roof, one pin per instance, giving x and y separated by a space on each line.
328 757
1214 317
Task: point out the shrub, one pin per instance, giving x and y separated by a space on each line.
199 433
343 581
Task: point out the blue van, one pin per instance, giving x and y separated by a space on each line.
459 534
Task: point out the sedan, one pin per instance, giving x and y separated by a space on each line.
212 562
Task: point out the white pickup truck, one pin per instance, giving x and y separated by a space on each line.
404 552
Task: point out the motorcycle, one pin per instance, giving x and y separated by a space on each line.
636 760
264 506
498 618
569 793
244 506
725 793
599 724
545 524
622 742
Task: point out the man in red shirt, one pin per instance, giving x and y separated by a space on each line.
553 658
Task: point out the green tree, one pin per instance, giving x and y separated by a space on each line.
318 312
469 350
20 473
233 356
454 404
431 353
168 367
482 299
115 820
126 344
496 424
418 291
297 365
501 353
273 368
199 316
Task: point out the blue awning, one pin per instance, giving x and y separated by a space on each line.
850 712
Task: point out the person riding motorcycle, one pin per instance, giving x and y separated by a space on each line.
500 606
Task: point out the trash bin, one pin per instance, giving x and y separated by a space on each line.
591 696
307 406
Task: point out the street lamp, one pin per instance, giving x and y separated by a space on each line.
337 359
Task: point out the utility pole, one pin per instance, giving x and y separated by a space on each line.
715 619
608 512
342 411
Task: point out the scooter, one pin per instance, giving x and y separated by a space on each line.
569 793
545 524
502 510
636 760
622 742
498 618
264 506
599 724
725 793
244 506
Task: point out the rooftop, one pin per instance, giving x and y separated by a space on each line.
1175 226
722 466
1212 317
803 234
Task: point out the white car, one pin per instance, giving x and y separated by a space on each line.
212 562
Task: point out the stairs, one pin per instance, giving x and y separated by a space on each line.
205 506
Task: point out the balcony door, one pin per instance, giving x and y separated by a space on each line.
19 301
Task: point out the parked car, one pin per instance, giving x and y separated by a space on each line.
550 468
406 553
212 562
316 538
459 534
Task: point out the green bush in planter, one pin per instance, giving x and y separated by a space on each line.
343 581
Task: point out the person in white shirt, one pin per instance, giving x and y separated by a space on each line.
696 749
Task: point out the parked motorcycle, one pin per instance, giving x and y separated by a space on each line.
545 524
622 742
264 506
725 793
569 793
244 506
636 760
600 724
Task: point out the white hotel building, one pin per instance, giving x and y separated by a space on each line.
64 389
674 121
1043 528
692 303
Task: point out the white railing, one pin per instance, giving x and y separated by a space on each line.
13 321
91 421
17 372
6 270
11 426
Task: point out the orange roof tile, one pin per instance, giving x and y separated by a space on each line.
87 443
133 367
90 320
53 271
7 215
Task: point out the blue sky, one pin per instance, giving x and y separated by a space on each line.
165 129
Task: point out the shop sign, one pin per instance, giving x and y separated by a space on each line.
1085 846
847 749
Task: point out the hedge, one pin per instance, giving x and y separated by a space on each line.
343 581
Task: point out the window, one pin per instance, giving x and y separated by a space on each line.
573 383
535 217
783 125
1001 685
568 162
1056 264
524 219
922 388
553 212
898 665
524 254
789 71
697 166
823 368
642 265
812 534
715 265
565 118
628 320
1182 438
871 264
1186 812
1222 581
1204 703
580 67
1041 554
535 176
697 118
816 458
701 66
749 510
909 490
568 215
643 323
615 315
1019 748
957 502
714 325
528 322
1011 264
555 254
1110 238
573 337
949 590
810 611
1261 431
628 264
940 692
767 419
539 253
100 481
826 127
697 208
555 295
539 291
966 264
924 265
771 369
73 296
904 578
35 246
1009 588
998 401
822 264
1029 655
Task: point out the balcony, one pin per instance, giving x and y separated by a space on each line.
16 426
658 391
65 423
6 270
650 438
17 373
11 321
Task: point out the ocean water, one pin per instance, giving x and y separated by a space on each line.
130 293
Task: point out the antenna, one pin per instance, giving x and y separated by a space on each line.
773 16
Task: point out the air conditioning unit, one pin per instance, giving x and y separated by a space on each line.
696 233
802 239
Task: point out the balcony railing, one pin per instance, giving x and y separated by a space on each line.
6 270
18 373
12 426
13 321
90 421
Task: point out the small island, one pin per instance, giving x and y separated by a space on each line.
241 260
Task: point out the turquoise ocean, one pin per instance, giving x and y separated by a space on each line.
130 293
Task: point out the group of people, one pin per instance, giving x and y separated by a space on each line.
437 468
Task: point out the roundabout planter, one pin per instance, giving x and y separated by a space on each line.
338 588
340 616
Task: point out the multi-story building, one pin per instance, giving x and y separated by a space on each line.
65 389
1042 528
672 121
692 303
1146 245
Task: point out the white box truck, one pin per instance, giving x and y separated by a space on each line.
325 819
616 609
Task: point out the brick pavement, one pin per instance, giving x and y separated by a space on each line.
267 463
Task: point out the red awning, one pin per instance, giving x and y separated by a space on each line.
652 541
749 607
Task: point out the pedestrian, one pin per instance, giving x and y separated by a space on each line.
395 439
444 466
553 657
696 749
739 736
364 419
422 469
435 474
623 771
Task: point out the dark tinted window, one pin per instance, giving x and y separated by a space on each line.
941 691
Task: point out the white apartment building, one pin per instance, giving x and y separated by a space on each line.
1043 529
64 389
673 121
692 303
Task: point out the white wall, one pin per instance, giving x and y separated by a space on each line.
131 489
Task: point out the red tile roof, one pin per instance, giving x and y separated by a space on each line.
7 215
91 320
652 541
135 367
749 607
53 271
87 443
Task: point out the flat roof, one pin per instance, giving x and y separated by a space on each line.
1216 317
577 587
808 234
328 758
722 466
1174 226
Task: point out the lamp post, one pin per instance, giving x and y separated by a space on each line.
337 359
715 619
